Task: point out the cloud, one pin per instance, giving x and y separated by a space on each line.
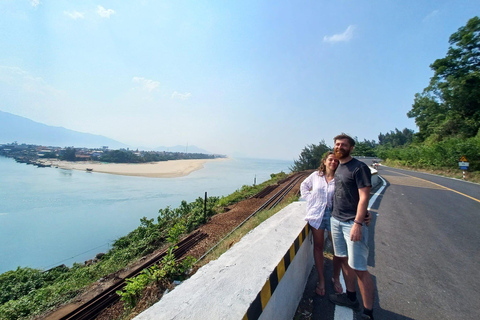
181 96
105 13
347 35
23 94
431 15
15 77
35 3
75 14
146 84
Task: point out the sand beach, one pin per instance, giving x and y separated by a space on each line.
161 169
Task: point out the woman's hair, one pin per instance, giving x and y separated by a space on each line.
322 169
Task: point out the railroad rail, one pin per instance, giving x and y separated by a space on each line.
269 204
93 307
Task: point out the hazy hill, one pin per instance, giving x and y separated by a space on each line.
179 148
22 130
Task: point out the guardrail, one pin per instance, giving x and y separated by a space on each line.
261 277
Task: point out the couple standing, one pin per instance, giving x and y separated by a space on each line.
337 199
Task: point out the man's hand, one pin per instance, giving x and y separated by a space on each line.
368 218
356 232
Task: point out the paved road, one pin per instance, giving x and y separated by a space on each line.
425 257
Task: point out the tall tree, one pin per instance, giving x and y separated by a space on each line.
310 157
450 105
364 148
396 138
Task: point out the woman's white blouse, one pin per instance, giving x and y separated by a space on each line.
319 195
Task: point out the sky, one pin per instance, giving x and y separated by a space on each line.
260 79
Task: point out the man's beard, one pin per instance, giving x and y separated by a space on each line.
341 154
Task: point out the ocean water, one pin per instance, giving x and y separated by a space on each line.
52 216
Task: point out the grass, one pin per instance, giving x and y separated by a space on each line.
238 234
472 176
25 293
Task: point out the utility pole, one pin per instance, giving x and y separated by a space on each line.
205 208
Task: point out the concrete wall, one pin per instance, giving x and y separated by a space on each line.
262 276
375 178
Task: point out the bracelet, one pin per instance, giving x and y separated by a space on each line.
358 222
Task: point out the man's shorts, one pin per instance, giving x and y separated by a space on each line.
357 252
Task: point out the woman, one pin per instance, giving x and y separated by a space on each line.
318 189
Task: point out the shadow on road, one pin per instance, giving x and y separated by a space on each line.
315 307
371 228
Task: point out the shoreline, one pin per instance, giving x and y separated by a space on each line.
161 169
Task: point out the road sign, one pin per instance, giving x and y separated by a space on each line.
463 159
463 165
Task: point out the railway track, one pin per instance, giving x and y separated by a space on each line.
93 307
268 204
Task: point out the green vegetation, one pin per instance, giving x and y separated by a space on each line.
167 270
248 191
127 156
450 105
68 154
443 154
238 234
30 153
447 114
27 292
310 157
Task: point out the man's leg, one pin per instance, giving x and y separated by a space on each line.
348 274
341 252
367 290
358 256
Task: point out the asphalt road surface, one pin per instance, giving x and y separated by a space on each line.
427 247
424 250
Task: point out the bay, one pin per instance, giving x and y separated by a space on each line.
52 216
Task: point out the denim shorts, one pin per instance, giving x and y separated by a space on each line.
357 252
325 225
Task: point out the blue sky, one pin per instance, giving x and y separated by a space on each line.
244 78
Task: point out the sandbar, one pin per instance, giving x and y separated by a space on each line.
161 169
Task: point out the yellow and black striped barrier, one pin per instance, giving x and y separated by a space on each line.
260 302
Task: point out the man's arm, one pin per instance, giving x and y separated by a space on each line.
356 233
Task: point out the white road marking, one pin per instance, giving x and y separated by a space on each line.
344 313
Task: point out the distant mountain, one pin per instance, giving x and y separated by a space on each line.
22 130
186 149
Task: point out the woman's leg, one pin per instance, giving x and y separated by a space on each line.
337 265
318 242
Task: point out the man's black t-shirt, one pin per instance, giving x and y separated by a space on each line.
349 177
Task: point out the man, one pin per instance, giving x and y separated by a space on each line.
349 232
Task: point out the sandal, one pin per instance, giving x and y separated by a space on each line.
337 286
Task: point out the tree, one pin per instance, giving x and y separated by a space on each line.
68 154
450 105
365 148
396 138
310 157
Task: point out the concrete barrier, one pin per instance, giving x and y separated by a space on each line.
375 179
261 277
